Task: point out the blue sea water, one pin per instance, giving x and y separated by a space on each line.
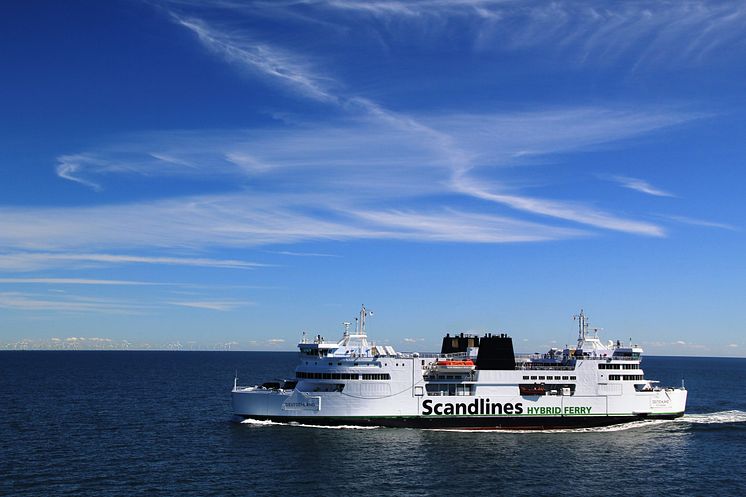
159 423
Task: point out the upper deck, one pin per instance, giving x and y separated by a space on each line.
490 352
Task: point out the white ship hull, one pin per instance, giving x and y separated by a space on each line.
509 412
340 384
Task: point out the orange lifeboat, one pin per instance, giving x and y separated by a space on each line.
468 363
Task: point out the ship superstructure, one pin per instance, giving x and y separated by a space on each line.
475 382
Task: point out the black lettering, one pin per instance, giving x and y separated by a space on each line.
427 407
474 407
497 408
448 410
461 408
508 408
519 408
438 409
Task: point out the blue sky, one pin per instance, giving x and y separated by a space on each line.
229 174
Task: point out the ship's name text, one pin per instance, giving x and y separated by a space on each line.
483 407
480 407
557 411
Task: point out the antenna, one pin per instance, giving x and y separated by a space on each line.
582 324
363 313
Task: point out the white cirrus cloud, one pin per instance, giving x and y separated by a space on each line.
264 59
21 261
22 301
700 222
641 186
76 281
388 160
570 211
213 305
652 33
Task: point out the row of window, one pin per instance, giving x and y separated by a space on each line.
549 377
342 376
463 377
618 366
449 389
625 354
626 377
378 376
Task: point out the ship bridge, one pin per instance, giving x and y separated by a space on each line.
353 344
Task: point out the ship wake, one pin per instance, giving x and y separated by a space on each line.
712 418
262 422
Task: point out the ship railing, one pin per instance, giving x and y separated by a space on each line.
589 357
544 367
421 355
433 355
536 356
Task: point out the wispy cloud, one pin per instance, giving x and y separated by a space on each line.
304 254
656 32
33 261
454 226
570 211
76 281
262 58
385 154
67 303
214 305
700 222
202 223
392 166
69 168
641 186
380 158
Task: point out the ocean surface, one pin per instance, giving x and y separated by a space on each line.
159 423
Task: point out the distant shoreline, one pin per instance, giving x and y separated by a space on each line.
290 352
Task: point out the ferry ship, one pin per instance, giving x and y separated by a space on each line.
475 382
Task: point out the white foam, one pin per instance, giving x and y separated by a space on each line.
259 423
719 417
598 429
338 427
